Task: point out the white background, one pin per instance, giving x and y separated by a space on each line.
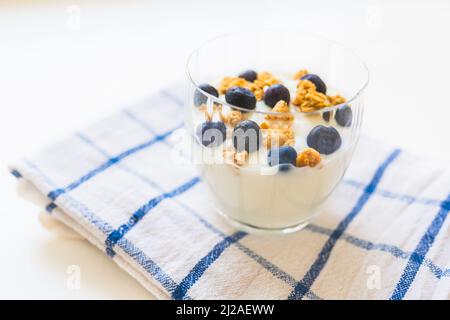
64 64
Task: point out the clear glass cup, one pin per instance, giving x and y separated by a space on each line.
256 196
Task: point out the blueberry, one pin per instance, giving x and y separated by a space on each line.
249 75
282 156
325 140
241 97
212 134
247 136
314 78
276 93
200 98
326 116
344 116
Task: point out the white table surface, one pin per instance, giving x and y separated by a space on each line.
64 64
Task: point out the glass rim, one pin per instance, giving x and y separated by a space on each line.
221 101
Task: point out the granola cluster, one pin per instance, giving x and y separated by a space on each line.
277 129
231 156
229 82
277 137
232 118
308 158
263 80
284 111
217 108
308 99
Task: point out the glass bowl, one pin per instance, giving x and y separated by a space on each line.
253 193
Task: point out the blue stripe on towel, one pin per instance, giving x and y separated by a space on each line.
148 265
304 285
200 268
16 173
118 234
420 252
50 207
369 245
134 118
110 162
394 195
170 96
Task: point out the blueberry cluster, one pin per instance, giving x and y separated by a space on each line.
212 133
343 116
275 93
325 140
241 97
200 96
247 136
249 75
284 156
314 78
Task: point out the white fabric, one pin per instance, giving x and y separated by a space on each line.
392 237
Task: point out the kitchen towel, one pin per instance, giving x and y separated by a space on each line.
124 185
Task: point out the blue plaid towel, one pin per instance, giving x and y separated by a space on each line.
383 234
